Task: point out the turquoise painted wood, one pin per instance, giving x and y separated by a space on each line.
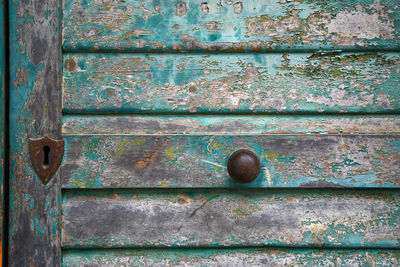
35 111
200 161
229 218
197 25
234 83
320 111
2 127
310 86
228 257
192 151
78 125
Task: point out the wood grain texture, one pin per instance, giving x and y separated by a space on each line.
3 129
220 217
195 25
200 161
35 109
238 83
231 257
73 125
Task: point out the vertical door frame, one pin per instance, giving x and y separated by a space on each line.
35 111
3 93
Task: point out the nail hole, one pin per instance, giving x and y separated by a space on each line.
46 152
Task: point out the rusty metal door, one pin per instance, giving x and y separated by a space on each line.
206 133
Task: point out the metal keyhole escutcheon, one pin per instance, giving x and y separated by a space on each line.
244 166
46 156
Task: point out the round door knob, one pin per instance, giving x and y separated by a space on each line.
243 166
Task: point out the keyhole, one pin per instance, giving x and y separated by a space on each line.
46 151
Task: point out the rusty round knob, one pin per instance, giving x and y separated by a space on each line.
243 166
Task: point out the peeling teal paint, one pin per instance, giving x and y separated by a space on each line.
35 76
115 154
340 218
235 83
218 257
227 26
3 128
231 124
200 160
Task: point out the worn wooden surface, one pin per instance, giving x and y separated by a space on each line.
3 129
232 257
222 217
35 111
75 125
195 25
241 83
200 161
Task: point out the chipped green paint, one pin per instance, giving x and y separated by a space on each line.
208 217
239 83
2 126
229 257
195 25
358 160
229 124
35 111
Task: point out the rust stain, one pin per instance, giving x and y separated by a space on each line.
70 64
176 47
110 92
193 88
148 161
141 164
184 199
46 156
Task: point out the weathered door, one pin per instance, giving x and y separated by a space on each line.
152 97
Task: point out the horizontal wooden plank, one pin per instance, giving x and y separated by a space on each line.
240 83
229 125
231 257
221 217
200 161
195 25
